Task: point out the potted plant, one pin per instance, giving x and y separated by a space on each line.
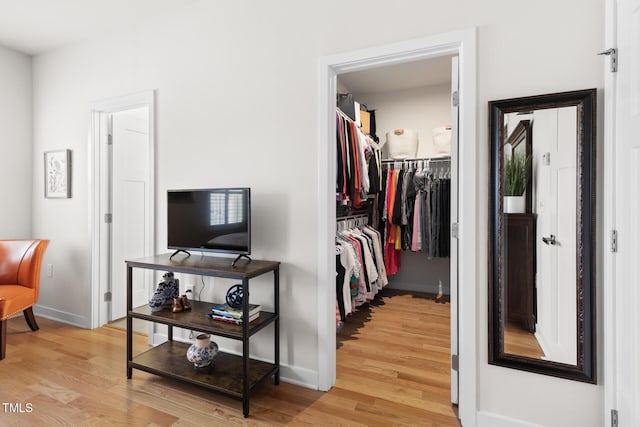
516 176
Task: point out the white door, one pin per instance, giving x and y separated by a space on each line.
554 160
626 187
129 188
453 260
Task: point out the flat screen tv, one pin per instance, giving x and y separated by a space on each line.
210 220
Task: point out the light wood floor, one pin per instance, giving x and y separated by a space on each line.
521 342
389 373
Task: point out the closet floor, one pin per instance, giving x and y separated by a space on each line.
393 361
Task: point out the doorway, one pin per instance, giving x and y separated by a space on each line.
122 143
413 98
461 44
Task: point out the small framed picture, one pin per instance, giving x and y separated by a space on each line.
57 174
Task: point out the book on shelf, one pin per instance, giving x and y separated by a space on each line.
236 313
233 320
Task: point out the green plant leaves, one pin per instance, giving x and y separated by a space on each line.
516 174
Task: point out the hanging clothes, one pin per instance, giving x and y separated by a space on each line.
360 268
416 212
358 164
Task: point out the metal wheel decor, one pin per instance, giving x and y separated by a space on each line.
234 296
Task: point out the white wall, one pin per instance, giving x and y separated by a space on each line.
421 109
237 105
16 152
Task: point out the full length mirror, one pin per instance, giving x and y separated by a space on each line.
542 234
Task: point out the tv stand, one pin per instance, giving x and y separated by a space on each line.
236 375
178 251
233 264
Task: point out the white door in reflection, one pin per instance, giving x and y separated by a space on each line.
554 201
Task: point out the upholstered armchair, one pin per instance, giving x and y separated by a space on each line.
20 263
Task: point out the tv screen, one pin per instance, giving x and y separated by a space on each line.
212 220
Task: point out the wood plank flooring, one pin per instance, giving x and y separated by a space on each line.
521 342
392 369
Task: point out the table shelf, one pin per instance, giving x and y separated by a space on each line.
223 375
197 319
233 375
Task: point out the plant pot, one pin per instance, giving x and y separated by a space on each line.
513 204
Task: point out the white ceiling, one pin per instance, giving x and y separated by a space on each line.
37 26
409 75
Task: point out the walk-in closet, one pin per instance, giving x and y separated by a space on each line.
394 202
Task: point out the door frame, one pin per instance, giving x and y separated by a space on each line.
608 196
462 43
98 185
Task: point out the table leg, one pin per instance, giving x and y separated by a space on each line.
245 347
276 338
129 322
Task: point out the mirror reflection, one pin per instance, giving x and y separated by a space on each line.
542 231
541 236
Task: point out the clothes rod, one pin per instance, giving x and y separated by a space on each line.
344 218
430 159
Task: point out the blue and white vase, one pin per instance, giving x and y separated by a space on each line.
170 288
202 352
156 302
164 294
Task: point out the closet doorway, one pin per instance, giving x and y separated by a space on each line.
342 71
414 123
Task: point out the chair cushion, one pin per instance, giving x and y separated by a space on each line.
14 299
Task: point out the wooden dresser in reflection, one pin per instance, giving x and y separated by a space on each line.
520 266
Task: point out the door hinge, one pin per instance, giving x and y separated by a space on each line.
454 362
107 297
454 230
109 139
614 418
455 98
613 58
614 241
108 218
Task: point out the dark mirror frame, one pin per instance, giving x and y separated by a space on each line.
585 101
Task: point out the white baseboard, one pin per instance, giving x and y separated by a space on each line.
489 419
62 316
299 376
290 374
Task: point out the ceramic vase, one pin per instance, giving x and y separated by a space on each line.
170 290
513 204
202 352
156 302
165 292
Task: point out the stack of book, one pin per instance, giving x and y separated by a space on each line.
226 313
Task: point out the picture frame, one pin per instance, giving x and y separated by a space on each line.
57 174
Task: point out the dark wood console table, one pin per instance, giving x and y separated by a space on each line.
520 268
236 376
